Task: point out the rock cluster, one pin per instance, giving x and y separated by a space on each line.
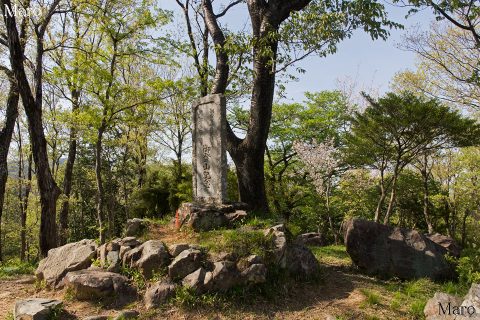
181 264
202 217
388 251
448 307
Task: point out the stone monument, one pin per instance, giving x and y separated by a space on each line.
209 150
209 209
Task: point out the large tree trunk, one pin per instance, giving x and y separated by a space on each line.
98 177
32 104
67 179
5 139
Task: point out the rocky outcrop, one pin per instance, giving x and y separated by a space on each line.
279 242
185 263
154 258
448 243
301 262
225 275
93 285
36 309
159 293
311 239
395 252
59 261
204 217
447 307
135 227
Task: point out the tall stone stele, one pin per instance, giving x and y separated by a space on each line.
209 150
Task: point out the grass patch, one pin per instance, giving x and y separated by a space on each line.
15 267
241 243
332 255
372 298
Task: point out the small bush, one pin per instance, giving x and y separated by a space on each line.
468 266
136 276
15 267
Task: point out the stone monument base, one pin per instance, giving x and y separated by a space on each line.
206 216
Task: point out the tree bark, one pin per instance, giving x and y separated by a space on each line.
5 139
383 196
98 177
426 202
67 180
248 153
32 104
393 195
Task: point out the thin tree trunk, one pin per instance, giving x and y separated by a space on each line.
393 195
5 139
28 187
98 177
67 180
426 202
383 195
330 220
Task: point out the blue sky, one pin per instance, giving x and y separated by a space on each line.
371 64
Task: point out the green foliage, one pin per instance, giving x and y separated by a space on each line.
187 298
468 266
135 275
241 243
15 267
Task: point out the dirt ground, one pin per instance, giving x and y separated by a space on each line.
338 294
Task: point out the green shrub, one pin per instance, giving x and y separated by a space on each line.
15 267
372 298
468 266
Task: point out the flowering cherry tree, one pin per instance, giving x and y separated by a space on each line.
321 162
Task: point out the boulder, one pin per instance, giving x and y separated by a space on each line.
195 280
59 261
130 242
36 309
256 273
312 239
225 275
131 257
388 251
135 227
448 243
237 215
185 263
471 302
175 249
301 262
279 241
154 258
92 285
441 301
96 318
159 293
204 217
246 262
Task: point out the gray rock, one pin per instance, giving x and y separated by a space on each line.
135 227
175 249
127 314
96 318
113 261
92 285
132 256
246 262
256 273
61 260
225 275
301 262
279 240
185 263
448 243
311 239
195 280
154 258
159 293
472 299
223 256
388 251
131 242
207 219
236 216
36 309
432 309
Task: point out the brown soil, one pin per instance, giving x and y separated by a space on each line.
337 294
